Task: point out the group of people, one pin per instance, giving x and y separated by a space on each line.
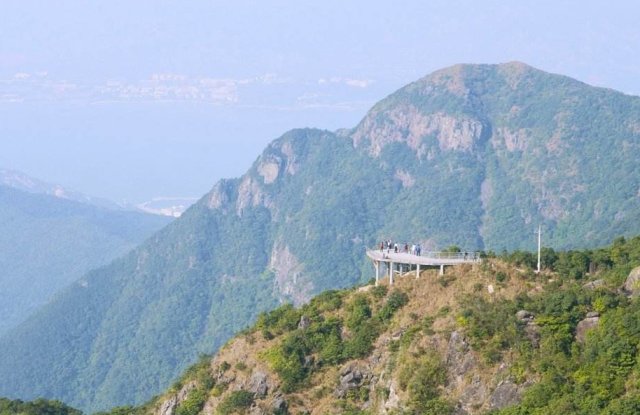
389 245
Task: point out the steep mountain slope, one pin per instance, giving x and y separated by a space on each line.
473 155
493 337
47 242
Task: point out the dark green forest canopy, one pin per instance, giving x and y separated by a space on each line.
37 407
47 243
474 155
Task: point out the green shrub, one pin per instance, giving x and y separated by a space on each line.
194 402
397 299
284 318
327 301
219 389
380 291
236 402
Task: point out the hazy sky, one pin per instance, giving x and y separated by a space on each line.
135 99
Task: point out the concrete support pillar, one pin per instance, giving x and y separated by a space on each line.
377 265
417 271
391 274
441 269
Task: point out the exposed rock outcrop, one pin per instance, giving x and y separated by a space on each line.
250 193
169 405
592 285
459 360
220 195
259 384
304 323
289 282
408 124
632 284
351 377
269 168
588 323
507 393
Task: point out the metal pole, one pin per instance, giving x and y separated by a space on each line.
377 264
418 271
539 244
391 274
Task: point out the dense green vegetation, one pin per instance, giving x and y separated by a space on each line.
599 377
524 147
37 407
47 243
290 357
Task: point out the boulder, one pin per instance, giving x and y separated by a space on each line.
533 333
351 378
632 285
259 384
279 404
524 315
585 325
592 285
393 401
397 335
304 323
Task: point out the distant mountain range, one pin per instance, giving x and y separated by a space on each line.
20 181
51 236
472 155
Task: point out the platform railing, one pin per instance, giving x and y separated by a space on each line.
462 256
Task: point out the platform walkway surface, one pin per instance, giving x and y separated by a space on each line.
427 258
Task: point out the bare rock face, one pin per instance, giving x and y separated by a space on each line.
405 178
219 195
250 193
269 168
279 404
459 359
473 394
169 406
589 323
259 384
304 323
351 377
507 393
632 284
512 140
393 401
408 124
289 281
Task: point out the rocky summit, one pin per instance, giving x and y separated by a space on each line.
472 155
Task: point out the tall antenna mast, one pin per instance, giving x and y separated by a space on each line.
539 244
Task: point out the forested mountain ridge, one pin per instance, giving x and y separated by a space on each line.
20 181
48 242
472 155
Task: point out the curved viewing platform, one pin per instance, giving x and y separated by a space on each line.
404 260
